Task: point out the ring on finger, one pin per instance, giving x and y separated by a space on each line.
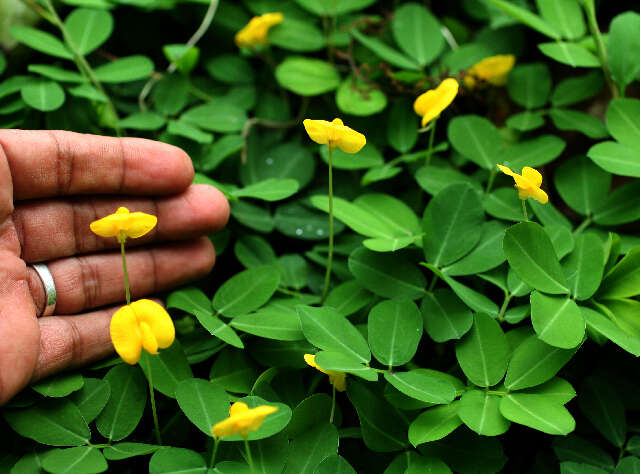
49 288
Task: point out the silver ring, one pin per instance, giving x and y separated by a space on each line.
49 288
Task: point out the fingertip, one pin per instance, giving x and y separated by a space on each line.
211 205
208 256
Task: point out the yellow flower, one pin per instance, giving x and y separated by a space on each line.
123 224
527 184
337 379
242 419
335 134
431 104
142 324
493 70
255 32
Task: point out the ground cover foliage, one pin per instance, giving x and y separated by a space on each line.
473 341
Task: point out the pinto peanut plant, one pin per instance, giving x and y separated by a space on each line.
409 311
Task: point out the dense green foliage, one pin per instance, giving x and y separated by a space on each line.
475 340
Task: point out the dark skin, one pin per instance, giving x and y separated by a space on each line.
53 184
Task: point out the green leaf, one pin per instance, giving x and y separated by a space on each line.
182 56
574 448
603 407
533 363
271 322
128 398
91 398
623 312
298 222
474 300
119 451
253 251
434 179
571 54
130 68
143 121
216 117
623 48
41 41
417 32
234 371
340 362
85 459
616 158
246 291
286 160
218 328
306 76
348 297
366 158
476 139
584 266
55 73
56 422
445 316
502 203
434 423
402 132
480 411
203 402
536 152
270 454
487 254
272 189
309 413
88 92
59 386
168 368
557 320
296 35
482 352
384 429
581 122
581 184
469 453
531 255
226 146
172 460
171 93
525 16
422 386
88 28
186 130
395 329
576 89
530 84
190 300
565 16
607 328
231 68
356 97
620 206
526 121
43 95
334 464
327 329
621 121
384 51
390 276
308 450
623 280
329 9
449 222
537 412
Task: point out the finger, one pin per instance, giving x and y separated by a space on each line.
57 163
60 228
95 280
72 341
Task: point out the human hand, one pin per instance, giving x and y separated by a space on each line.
52 185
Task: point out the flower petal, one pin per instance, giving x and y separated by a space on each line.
149 342
351 141
139 224
317 130
159 321
506 170
125 335
532 175
431 104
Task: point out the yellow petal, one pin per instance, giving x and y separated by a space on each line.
339 381
506 170
224 428
125 335
317 130
124 223
111 225
255 32
237 408
532 175
149 342
310 359
139 224
242 419
158 320
494 69
431 104
351 141
539 195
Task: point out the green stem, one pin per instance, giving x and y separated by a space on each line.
126 273
585 223
433 283
80 61
327 275
333 403
153 402
524 210
505 305
216 443
432 135
249 458
492 177
590 9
